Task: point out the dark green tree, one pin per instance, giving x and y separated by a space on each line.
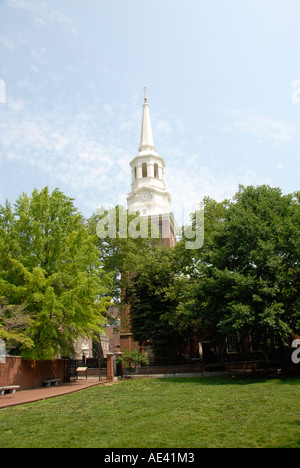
155 294
250 274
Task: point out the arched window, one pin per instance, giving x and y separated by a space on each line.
144 170
156 171
135 173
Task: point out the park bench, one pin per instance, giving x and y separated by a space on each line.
48 383
9 389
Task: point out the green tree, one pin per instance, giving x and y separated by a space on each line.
131 359
155 294
118 251
14 321
250 275
50 267
191 261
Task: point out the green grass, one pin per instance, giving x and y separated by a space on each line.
162 413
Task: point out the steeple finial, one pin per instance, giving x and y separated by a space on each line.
146 97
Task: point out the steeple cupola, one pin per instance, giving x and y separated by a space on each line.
149 194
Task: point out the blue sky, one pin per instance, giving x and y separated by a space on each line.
223 80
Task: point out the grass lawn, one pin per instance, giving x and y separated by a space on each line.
162 413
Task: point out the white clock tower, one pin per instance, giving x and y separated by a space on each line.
149 194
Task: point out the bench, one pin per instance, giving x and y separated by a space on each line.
9 389
48 383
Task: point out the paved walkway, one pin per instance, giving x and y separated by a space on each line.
37 394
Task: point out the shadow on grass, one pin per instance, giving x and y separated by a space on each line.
234 380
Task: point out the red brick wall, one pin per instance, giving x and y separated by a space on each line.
30 374
127 342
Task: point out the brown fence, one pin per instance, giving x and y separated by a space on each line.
30 374
219 367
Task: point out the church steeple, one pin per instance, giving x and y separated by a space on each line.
146 131
149 194
150 198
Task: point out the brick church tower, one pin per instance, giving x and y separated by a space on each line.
148 196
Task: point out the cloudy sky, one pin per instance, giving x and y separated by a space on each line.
223 80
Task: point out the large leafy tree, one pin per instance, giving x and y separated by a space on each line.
191 260
250 272
118 251
50 274
160 289
155 294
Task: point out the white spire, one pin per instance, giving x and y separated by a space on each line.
146 132
148 194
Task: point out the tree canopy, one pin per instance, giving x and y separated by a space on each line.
118 251
155 294
53 285
57 276
250 273
246 277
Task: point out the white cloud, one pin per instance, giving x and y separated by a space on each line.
87 153
39 21
296 94
39 54
283 16
43 12
65 151
16 105
17 3
261 126
6 42
15 40
59 17
162 127
189 181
